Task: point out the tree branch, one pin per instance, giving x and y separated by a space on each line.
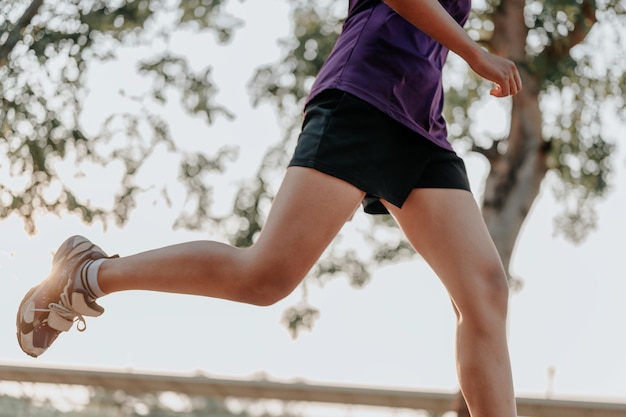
16 33
562 46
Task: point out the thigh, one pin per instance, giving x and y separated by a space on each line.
445 226
307 213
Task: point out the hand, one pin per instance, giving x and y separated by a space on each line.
501 71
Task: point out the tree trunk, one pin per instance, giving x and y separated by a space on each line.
515 177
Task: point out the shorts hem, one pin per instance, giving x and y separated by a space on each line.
361 185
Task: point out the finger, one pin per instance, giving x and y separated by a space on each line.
516 84
518 81
505 89
511 83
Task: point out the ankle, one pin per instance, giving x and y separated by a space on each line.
87 278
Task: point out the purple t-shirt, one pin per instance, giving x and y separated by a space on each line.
386 61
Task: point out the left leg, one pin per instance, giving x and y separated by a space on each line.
446 228
308 211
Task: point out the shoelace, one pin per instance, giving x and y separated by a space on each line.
64 309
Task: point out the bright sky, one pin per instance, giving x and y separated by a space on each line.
396 332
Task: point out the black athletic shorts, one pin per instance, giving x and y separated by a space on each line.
350 139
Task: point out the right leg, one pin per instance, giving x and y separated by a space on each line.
446 228
308 211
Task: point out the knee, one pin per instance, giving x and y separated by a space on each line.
268 290
265 286
487 304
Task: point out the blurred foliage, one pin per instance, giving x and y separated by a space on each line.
45 51
575 58
120 403
103 403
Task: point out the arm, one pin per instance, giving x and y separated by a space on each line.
430 17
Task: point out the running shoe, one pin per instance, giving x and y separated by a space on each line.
54 305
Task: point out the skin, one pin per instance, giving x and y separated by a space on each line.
444 226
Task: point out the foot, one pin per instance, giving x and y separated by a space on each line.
54 305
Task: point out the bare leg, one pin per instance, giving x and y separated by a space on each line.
308 211
446 228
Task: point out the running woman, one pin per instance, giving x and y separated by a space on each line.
373 134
